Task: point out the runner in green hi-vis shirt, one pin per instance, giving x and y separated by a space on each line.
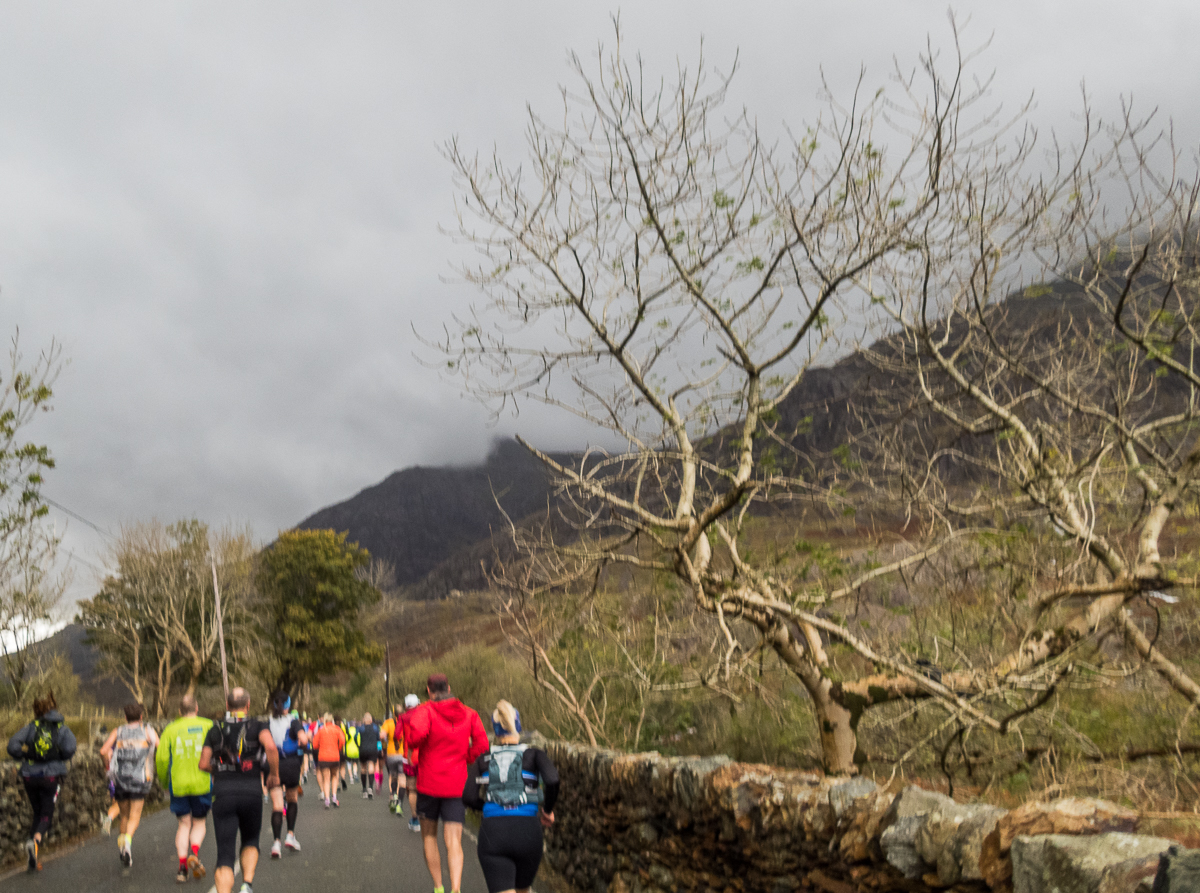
179 773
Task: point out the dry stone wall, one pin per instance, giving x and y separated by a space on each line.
81 802
644 823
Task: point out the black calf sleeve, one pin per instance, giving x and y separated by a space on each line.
363 774
292 809
276 823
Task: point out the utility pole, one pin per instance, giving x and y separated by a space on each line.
220 627
387 679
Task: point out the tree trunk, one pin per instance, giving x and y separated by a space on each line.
196 668
838 728
837 723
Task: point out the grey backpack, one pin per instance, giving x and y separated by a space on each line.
505 783
132 766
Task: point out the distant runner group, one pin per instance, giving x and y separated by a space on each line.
436 754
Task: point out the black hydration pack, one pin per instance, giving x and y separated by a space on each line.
240 750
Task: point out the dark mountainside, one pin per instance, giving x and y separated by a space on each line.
419 517
84 660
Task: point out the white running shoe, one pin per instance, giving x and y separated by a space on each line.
291 842
366 796
127 855
106 824
277 850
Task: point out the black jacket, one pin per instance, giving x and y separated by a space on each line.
20 747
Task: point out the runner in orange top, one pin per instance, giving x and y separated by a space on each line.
328 744
393 759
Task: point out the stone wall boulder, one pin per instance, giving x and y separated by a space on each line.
1067 815
1079 863
1178 870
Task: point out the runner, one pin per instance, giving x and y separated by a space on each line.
179 775
411 761
450 736
233 752
349 752
327 747
368 755
129 751
393 741
43 747
305 750
290 739
504 784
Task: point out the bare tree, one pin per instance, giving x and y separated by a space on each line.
155 618
1049 348
669 278
29 587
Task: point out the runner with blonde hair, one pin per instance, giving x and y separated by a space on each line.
516 787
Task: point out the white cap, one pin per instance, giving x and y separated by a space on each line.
411 701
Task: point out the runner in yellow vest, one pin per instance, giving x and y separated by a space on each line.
177 761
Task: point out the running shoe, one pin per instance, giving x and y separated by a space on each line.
106 824
195 867
291 842
370 794
335 802
277 850
414 825
343 784
127 855
246 888
31 848
181 876
326 802
366 796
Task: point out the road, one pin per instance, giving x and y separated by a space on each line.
359 846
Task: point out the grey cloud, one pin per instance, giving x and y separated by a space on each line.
228 213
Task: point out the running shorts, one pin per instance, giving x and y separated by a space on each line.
448 809
236 810
196 805
120 793
289 771
510 851
395 765
363 762
328 764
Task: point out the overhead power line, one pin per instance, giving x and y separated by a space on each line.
78 517
84 561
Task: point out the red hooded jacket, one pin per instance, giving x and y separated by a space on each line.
450 736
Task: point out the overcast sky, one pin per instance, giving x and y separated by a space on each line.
228 213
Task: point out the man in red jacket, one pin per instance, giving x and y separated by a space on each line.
450 736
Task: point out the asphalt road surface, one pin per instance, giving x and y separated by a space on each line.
359 846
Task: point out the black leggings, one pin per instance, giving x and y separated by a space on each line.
234 811
510 851
43 793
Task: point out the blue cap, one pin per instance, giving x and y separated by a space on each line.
500 730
